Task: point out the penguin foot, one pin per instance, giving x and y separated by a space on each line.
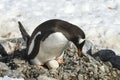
60 61
38 66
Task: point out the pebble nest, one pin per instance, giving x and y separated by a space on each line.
74 68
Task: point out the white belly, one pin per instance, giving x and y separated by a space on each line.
52 47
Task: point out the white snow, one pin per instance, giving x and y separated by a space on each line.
8 78
100 19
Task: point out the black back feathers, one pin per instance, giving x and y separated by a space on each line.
71 32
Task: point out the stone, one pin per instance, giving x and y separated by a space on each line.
75 68
9 47
13 74
3 66
115 61
105 54
102 68
80 77
87 47
45 78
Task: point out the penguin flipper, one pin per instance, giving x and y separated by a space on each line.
25 35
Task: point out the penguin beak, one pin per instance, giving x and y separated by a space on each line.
81 44
79 52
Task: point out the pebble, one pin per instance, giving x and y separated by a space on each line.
13 74
45 78
3 66
80 77
102 68
74 68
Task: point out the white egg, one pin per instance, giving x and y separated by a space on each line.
52 64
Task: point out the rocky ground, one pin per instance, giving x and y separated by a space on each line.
75 68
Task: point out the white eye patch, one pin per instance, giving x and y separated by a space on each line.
81 40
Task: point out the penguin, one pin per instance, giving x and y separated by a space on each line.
48 41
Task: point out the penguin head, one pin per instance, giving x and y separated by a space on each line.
80 45
79 42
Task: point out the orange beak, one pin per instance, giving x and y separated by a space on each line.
79 52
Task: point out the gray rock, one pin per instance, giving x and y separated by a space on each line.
90 48
87 46
3 66
45 78
80 77
13 74
75 67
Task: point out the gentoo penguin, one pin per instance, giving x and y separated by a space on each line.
49 39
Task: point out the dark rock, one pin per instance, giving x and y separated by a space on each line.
2 51
12 65
115 61
105 55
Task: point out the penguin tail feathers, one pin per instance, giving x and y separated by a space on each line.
25 35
